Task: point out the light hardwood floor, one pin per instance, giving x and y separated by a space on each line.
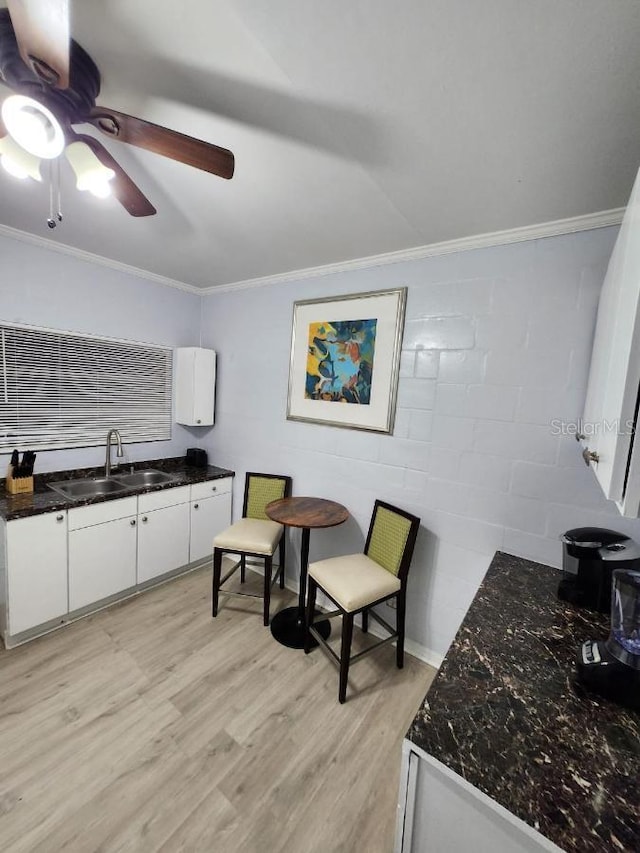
152 727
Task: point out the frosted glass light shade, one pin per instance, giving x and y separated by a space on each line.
33 126
91 174
18 162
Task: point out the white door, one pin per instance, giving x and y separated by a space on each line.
102 561
163 541
37 570
614 375
209 517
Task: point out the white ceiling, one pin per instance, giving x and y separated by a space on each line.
358 127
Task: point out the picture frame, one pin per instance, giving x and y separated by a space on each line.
345 360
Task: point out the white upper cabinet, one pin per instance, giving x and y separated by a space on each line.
614 379
195 385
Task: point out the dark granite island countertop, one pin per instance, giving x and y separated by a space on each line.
504 714
43 499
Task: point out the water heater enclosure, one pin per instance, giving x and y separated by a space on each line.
195 386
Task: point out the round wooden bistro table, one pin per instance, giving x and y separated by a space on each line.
288 625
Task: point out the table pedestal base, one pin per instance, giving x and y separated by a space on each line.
289 630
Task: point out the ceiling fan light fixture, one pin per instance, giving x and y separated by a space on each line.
18 162
33 126
91 174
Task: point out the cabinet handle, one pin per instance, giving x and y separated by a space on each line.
214 488
145 519
199 421
133 522
59 517
195 506
590 456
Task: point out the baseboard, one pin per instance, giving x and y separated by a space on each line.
411 648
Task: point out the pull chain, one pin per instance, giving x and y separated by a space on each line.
59 205
51 221
55 210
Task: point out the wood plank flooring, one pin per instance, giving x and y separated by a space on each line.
153 727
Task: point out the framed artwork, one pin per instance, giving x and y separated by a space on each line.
345 359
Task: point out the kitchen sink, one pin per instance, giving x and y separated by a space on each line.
140 479
88 488
93 487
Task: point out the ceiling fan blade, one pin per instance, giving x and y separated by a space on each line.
128 194
161 140
42 33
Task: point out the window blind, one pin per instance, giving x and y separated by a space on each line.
60 389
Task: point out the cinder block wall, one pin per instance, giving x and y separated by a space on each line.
496 351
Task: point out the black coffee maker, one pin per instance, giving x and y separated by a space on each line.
612 668
590 555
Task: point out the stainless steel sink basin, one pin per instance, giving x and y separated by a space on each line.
140 479
87 488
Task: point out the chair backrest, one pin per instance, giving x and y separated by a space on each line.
391 538
260 490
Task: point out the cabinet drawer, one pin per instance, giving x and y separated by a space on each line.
160 500
86 516
211 487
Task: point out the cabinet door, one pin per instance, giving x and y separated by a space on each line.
37 570
209 517
204 384
441 797
195 378
102 561
163 541
614 375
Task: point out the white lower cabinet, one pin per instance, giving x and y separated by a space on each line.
36 571
102 551
163 532
210 515
440 811
60 562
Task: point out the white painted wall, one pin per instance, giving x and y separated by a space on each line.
40 287
473 452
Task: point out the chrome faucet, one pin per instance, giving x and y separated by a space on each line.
119 454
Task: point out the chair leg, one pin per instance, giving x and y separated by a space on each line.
243 566
215 585
400 611
365 621
282 557
268 563
312 588
345 655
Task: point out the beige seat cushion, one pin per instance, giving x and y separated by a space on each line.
354 581
253 535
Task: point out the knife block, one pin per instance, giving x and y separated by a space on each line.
19 486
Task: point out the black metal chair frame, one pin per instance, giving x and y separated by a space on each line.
218 553
345 659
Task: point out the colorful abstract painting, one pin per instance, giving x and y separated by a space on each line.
340 361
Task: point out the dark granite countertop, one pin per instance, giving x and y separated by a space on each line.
43 499
504 713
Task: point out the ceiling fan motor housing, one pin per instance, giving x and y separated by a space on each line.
30 75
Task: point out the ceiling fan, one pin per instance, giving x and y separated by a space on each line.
56 84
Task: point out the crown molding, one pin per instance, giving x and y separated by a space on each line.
588 222
89 257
